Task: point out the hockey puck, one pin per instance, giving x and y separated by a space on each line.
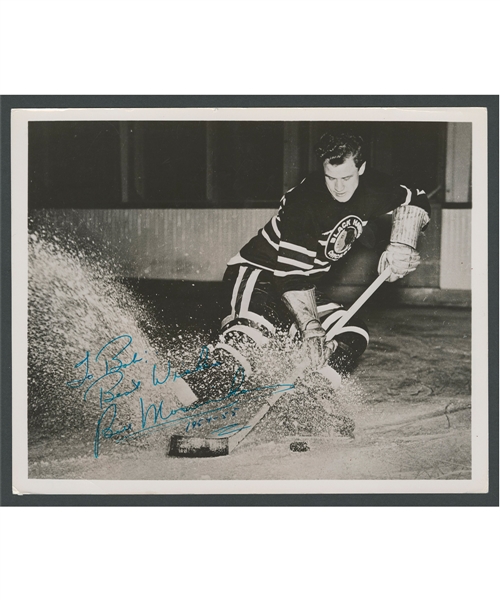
299 447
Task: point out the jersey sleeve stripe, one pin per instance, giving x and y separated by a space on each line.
293 255
269 240
305 273
293 262
271 232
275 227
296 248
408 195
416 197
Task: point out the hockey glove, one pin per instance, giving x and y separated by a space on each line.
407 223
401 258
314 345
302 305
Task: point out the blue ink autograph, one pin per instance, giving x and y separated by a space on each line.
108 388
202 365
236 390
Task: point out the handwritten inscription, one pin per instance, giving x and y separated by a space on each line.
105 379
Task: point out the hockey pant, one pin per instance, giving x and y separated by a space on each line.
255 312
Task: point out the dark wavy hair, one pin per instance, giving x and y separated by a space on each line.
338 147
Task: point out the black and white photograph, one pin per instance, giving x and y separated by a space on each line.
250 300
249 256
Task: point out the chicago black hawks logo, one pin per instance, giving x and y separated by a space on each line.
342 237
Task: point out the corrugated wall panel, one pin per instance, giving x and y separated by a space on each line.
456 249
458 162
193 244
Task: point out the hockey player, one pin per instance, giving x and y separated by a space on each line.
272 280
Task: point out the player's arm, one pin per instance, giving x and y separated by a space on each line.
302 305
297 268
408 220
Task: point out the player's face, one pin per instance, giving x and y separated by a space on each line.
342 180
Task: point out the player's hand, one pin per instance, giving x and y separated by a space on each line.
401 258
314 345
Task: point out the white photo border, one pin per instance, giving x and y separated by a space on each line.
478 484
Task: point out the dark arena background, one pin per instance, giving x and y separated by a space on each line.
131 225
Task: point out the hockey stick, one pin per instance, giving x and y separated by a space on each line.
360 301
195 447
326 370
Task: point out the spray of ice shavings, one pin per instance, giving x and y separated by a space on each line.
75 307
313 408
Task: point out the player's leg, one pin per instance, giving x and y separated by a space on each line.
251 320
252 316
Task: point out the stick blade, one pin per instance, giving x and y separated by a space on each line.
197 447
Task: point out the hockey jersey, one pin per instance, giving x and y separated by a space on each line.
312 231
